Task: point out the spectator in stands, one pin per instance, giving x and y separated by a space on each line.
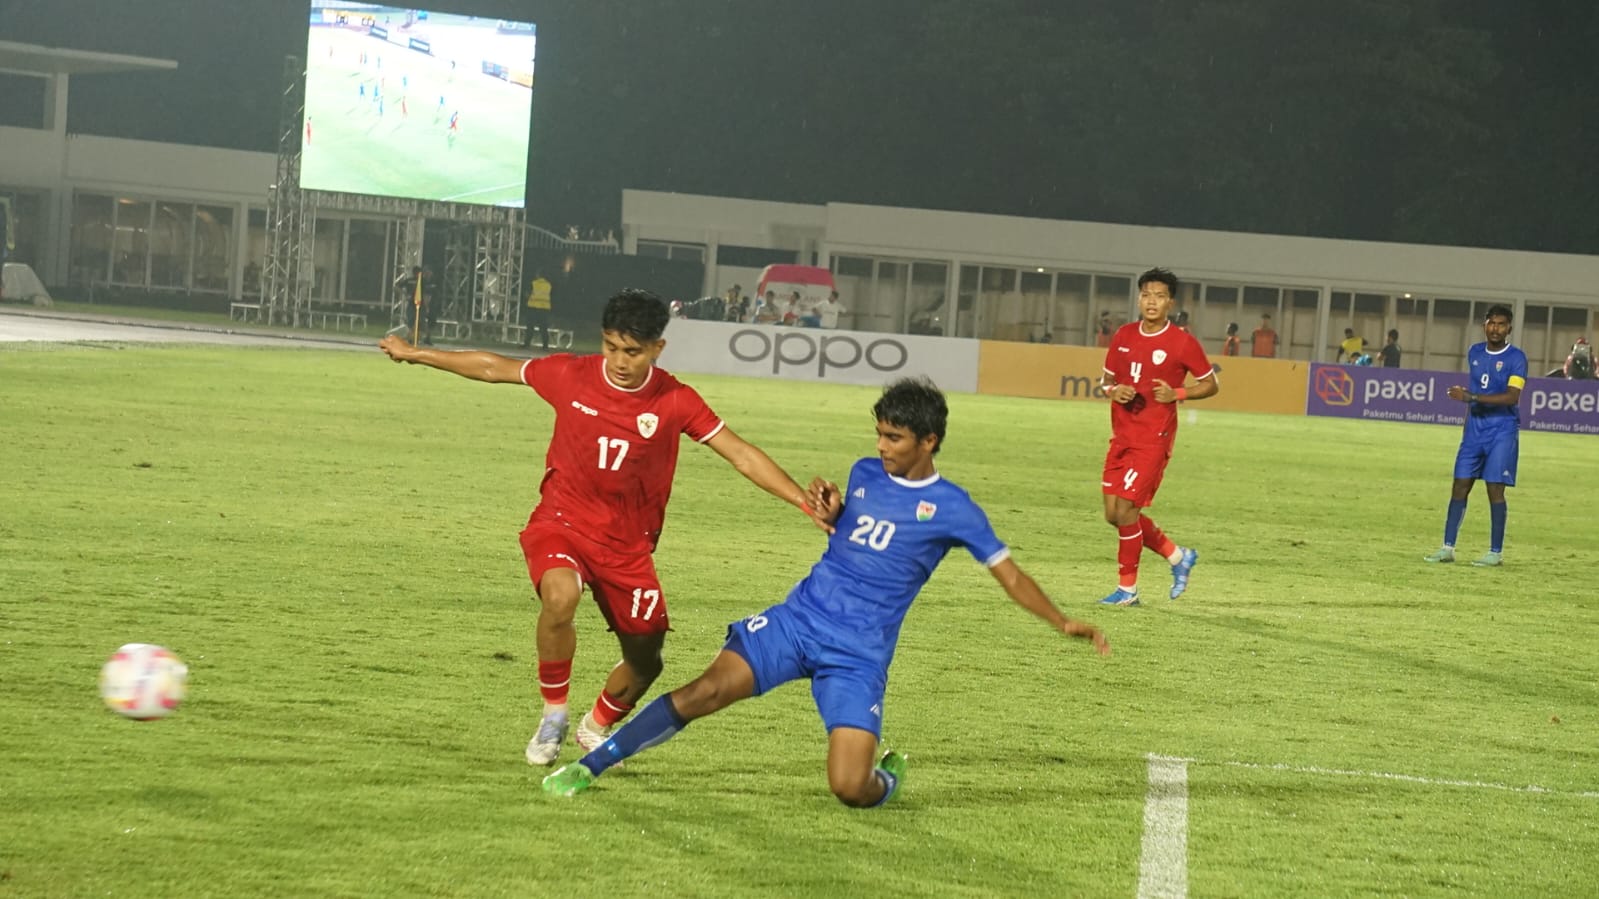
538 311
791 309
733 304
1263 342
829 311
1229 347
1182 321
1388 356
766 311
1351 348
1106 329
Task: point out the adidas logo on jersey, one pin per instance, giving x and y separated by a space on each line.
860 493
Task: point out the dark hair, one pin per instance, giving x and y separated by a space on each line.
1500 309
1349 332
1393 334
1164 276
1232 327
917 404
636 313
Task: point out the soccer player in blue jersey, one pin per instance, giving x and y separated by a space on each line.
1491 442
896 521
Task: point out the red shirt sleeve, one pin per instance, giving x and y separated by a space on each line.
699 422
1195 360
1116 366
547 375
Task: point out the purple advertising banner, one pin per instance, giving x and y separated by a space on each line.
1393 394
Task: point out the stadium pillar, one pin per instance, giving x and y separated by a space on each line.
55 104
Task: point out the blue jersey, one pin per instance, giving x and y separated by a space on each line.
1494 372
890 536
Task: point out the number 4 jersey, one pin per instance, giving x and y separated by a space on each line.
1139 359
613 452
888 539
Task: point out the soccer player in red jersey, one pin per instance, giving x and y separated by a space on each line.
607 476
1145 359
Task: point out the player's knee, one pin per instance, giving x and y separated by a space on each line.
557 602
853 788
646 666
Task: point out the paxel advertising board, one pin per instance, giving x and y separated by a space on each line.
1045 371
813 354
1392 394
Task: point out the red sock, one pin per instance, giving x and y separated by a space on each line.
608 710
554 680
1155 538
1127 549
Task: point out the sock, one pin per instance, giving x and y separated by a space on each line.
608 710
1457 512
554 680
1128 547
655 725
1496 512
890 784
1156 539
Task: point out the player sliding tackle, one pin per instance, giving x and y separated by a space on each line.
606 479
838 627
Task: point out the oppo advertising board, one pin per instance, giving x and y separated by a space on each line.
406 102
823 356
1392 394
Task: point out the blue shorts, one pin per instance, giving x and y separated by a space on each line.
1491 458
780 646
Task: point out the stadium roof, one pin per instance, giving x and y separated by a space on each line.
42 61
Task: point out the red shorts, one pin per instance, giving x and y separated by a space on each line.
1134 472
624 585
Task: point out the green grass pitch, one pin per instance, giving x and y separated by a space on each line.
408 149
329 541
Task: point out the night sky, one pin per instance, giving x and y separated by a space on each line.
1471 122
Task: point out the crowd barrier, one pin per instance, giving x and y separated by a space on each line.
1046 371
1397 394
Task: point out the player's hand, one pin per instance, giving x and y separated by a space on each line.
397 348
1121 393
1074 628
824 502
1164 392
1457 392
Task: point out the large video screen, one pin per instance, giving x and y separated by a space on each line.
412 103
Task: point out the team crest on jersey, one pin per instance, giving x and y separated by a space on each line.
647 423
925 510
1159 356
1499 365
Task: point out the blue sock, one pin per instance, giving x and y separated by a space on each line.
1457 512
890 784
655 725
1496 511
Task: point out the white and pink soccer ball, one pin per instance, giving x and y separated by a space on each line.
143 681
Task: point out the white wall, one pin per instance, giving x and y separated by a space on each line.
114 165
29 158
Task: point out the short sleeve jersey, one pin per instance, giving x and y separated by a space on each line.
1494 372
1139 359
612 454
890 536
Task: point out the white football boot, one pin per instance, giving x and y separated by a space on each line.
545 747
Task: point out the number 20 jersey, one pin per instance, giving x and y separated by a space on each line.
613 452
890 536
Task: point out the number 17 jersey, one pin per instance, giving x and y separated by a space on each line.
613 452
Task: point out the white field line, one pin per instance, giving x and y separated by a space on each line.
1390 775
1163 865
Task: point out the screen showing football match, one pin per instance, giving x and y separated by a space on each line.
411 103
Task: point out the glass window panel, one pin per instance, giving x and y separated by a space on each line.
255 252
213 247
170 244
365 281
130 248
91 239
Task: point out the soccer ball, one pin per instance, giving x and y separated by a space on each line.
143 681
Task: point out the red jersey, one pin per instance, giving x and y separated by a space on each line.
608 471
1139 359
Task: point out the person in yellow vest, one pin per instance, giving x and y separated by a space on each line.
538 309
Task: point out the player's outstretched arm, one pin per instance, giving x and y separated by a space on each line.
1026 593
1203 387
752 462
475 364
